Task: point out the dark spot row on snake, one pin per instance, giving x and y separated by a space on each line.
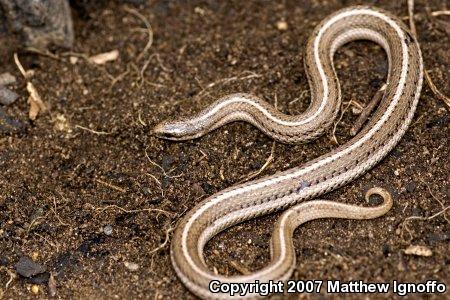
409 38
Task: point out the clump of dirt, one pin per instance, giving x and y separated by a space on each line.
88 194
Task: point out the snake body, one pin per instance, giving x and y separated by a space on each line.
317 177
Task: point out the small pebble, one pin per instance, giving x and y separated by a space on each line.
28 268
108 230
103 58
418 250
6 78
146 191
411 186
165 182
197 189
7 96
131 266
356 110
259 241
39 279
199 10
431 237
73 60
401 263
282 25
35 289
35 255
166 162
349 53
4 261
207 188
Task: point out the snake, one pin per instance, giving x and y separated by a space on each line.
288 190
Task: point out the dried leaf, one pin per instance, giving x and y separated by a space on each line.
35 101
418 250
102 58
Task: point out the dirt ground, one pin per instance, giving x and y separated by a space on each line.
87 192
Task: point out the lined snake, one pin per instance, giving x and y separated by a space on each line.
287 189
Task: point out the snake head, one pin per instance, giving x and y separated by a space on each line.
179 130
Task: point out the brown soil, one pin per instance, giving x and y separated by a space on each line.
61 184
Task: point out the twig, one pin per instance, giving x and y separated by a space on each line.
114 206
158 58
181 52
435 198
412 25
436 91
356 104
24 73
300 97
144 67
45 53
222 176
432 86
204 155
333 132
118 78
243 270
12 276
154 177
56 214
166 240
57 246
143 79
367 111
440 13
266 164
147 62
35 101
276 102
430 217
91 130
443 211
227 80
76 54
111 185
166 174
140 120
153 163
149 30
34 222
158 182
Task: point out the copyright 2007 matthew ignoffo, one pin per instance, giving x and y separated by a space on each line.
328 287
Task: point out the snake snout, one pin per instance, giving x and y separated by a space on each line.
171 131
165 131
